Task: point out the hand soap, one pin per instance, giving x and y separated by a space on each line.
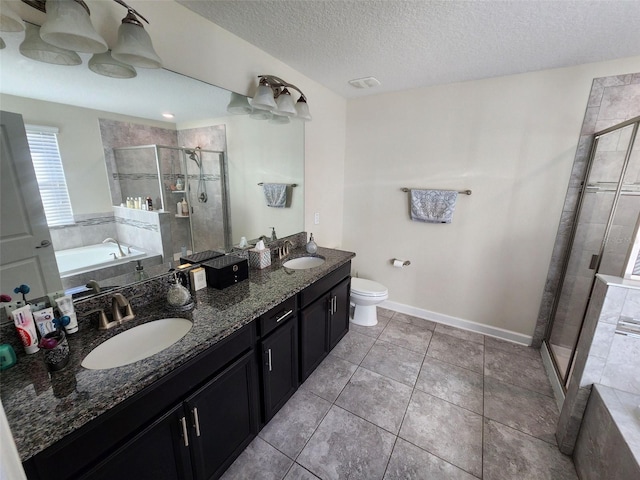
311 246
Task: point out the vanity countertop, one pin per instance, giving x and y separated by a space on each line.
42 408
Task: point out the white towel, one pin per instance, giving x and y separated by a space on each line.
433 206
276 194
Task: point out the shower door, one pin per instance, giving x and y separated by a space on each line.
207 186
608 211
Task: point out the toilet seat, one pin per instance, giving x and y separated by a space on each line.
367 288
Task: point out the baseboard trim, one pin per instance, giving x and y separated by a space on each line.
459 323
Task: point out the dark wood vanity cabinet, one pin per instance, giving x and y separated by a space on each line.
190 424
194 422
324 318
279 356
198 439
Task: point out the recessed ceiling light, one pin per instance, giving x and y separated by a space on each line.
167 115
365 82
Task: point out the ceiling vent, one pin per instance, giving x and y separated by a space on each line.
366 82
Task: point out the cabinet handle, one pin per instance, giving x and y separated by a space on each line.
333 305
185 434
196 422
284 316
269 359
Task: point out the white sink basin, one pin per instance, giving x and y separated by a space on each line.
302 263
137 343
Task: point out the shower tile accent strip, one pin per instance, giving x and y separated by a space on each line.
137 224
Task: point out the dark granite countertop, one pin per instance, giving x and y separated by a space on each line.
42 408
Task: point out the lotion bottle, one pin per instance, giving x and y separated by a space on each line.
312 247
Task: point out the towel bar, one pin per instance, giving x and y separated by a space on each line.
465 192
290 184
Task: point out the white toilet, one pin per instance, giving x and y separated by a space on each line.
365 295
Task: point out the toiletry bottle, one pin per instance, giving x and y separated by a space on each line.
179 209
273 234
312 247
185 208
149 203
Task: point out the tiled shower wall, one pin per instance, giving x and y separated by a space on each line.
89 229
208 221
612 100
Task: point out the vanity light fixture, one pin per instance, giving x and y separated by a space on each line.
67 26
168 115
272 101
10 21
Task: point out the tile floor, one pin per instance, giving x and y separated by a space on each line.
411 399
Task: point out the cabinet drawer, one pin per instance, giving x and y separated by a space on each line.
323 285
277 315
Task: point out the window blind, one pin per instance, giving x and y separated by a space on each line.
45 155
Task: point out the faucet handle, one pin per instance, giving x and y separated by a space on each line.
103 322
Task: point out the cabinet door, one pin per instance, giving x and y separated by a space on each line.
339 312
314 335
160 452
279 367
223 418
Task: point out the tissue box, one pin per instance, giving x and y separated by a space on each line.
259 258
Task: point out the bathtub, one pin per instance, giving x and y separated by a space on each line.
79 260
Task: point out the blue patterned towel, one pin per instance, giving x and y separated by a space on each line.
433 206
276 194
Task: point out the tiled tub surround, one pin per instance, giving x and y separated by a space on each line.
43 408
609 441
603 356
88 229
412 399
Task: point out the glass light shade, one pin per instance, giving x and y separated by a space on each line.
238 105
68 26
2 44
279 119
285 104
258 114
303 110
263 99
10 21
105 64
134 47
37 49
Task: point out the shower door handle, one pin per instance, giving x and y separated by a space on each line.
594 262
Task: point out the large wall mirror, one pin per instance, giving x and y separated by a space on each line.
115 144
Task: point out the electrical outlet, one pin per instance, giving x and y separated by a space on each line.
316 218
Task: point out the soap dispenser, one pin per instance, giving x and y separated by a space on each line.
312 247
178 296
273 234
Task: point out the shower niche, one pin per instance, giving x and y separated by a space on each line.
188 188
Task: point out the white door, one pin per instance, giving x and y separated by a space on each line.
26 252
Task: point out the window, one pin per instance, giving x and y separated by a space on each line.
43 144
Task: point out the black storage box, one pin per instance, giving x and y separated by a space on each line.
222 272
199 257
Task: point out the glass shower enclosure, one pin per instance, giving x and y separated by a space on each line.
602 236
188 184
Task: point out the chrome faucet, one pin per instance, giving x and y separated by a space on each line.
121 252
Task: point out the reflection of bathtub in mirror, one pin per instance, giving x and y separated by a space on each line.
96 262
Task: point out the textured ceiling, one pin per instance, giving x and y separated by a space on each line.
410 44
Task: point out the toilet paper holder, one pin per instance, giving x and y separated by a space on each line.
396 262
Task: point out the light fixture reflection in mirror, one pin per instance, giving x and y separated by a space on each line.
68 26
253 148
